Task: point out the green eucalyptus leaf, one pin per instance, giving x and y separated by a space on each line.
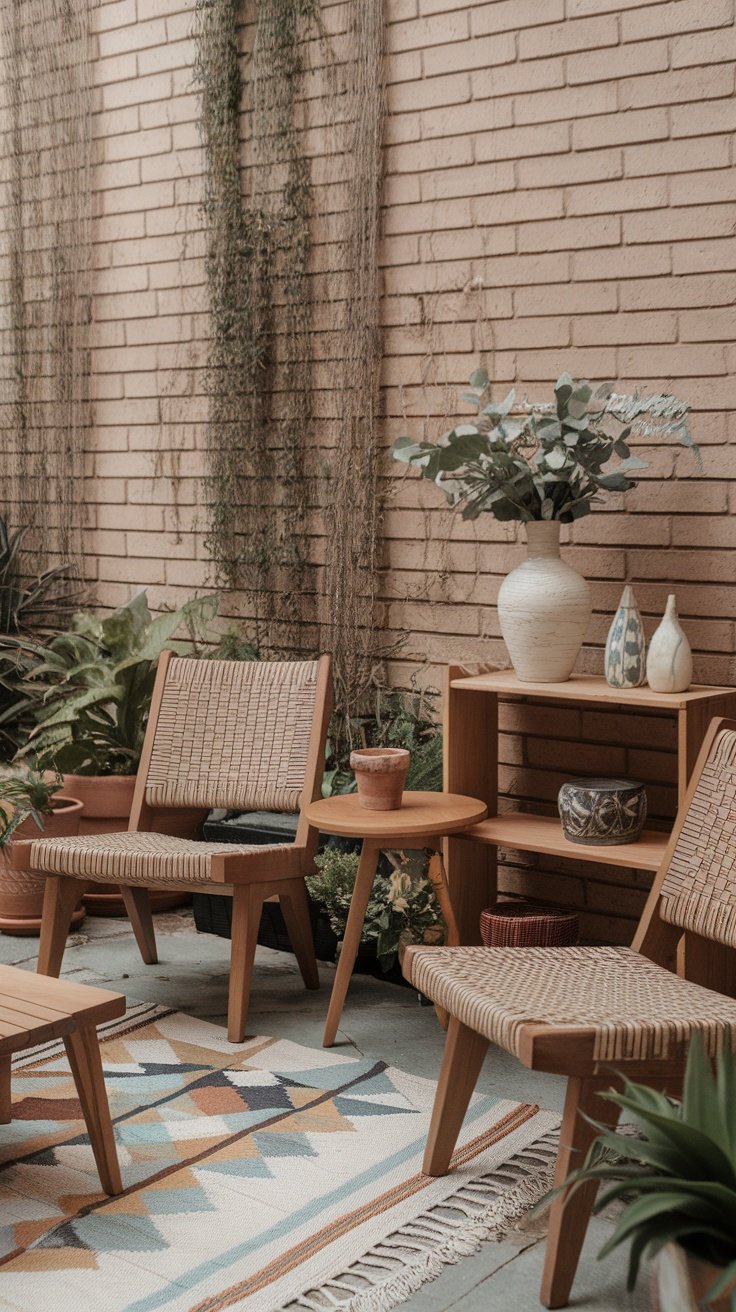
479 378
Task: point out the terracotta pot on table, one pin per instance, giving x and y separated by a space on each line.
21 892
380 773
108 800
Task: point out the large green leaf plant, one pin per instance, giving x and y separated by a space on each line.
544 461
90 688
678 1174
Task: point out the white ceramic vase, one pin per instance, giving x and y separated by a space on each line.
670 660
543 608
624 665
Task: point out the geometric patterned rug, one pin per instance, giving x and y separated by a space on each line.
260 1177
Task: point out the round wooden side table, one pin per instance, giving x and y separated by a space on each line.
422 820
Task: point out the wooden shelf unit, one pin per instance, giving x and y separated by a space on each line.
471 767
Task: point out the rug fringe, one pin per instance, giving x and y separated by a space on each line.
475 1226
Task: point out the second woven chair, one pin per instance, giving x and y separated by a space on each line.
243 735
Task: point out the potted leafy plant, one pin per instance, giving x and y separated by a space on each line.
40 603
544 464
30 802
402 907
678 1179
90 690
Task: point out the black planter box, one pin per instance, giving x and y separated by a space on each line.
213 914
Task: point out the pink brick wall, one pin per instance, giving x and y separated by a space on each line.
560 193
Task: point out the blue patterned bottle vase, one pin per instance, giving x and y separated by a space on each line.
602 812
625 658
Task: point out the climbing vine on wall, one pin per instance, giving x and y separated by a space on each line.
354 527
238 260
262 449
259 370
48 145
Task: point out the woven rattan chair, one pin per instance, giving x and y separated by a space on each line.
246 735
579 1011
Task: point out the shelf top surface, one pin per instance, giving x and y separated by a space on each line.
590 688
536 833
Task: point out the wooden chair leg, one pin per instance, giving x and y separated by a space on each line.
569 1214
61 896
138 906
295 910
6 1114
461 1063
247 906
83 1051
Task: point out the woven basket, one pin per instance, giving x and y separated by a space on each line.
528 925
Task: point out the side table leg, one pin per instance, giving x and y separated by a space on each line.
353 930
438 879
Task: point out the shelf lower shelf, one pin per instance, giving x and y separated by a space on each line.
537 833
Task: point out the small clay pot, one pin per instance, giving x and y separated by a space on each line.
380 774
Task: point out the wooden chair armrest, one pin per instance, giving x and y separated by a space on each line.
20 854
260 868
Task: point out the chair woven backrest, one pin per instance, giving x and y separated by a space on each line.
233 734
699 889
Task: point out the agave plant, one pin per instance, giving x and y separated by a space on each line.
45 602
537 461
90 687
679 1174
25 793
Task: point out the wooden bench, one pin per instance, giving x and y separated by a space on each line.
35 1009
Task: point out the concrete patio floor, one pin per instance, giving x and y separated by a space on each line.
381 1021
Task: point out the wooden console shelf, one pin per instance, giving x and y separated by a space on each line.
471 767
542 833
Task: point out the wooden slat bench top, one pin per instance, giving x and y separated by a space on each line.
36 1008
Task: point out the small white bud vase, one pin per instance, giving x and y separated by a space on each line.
544 606
624 664
670 660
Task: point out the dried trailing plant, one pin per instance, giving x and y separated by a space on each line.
238 258
260 371
354 518
48 143
538 461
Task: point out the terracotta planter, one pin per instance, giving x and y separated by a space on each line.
107 804
21 893
380 773
682 1282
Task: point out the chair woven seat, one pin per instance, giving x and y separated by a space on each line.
637 1008
137 857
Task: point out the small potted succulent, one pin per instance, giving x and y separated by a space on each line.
677 1177
542 465
30 802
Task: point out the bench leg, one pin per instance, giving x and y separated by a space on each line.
61 896
464 1053
138 906
83 1051
6 1115
295 910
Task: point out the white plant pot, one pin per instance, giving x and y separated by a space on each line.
543 608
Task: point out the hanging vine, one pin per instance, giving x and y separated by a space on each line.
48 142
354 521
238 260
259 369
